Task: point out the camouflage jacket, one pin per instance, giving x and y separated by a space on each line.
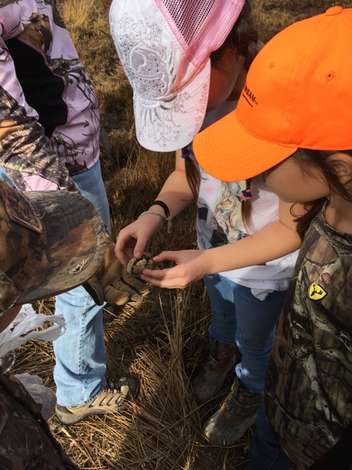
49 120
25 439
309 384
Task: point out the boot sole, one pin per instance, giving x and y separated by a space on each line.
68 419
71 418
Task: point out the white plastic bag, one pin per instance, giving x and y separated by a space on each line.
25 327
39 392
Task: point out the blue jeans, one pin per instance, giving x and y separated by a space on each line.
266 453
80 354
240 318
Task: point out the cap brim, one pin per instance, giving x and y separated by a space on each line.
228 152
71 246
169 125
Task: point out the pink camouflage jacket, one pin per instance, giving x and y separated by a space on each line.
49 121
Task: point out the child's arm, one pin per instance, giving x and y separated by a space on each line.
176 192
133 239
273 241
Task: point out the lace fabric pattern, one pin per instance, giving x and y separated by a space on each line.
164 111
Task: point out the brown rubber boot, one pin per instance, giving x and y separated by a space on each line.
211 377
235 416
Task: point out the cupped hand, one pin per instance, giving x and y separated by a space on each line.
133 239
190 267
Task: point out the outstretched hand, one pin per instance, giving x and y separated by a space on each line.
190 267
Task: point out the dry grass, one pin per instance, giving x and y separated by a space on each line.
273 15
162 339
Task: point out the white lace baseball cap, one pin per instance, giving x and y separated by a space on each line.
164 47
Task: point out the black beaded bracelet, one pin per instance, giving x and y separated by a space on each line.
164 206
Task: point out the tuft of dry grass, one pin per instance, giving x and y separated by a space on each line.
161 339
79 14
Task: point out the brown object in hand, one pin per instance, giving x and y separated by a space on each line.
115 284
136 266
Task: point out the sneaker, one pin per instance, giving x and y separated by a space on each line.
106 401
211 377
235 416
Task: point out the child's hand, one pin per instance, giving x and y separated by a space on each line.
133 240
190 266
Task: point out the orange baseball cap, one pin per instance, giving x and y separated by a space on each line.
298 94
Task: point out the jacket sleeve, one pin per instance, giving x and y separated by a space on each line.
25 151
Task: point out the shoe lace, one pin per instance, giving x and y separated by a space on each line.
108 397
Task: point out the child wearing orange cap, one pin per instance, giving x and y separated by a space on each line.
293 127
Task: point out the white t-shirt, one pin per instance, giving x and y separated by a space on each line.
220 222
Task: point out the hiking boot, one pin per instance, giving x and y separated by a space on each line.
211 377
236 414
106 401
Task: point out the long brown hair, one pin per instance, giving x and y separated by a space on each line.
318 159
241 37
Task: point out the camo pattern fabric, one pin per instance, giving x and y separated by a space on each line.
25 439
25 152
50 242
49 120
309 381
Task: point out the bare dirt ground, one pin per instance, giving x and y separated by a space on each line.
162 339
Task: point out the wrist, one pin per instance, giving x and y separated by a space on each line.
154 219
206 261
157 209
160 203
216 261
161 211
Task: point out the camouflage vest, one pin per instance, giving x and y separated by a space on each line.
25 439
309 384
